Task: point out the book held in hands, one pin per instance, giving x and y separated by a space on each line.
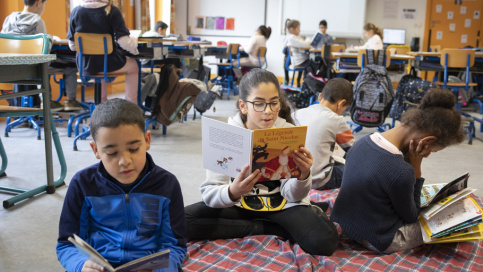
227 149
151 262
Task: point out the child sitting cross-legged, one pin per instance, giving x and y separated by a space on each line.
325 128
126 207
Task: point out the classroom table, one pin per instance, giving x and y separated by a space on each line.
31 69
430 61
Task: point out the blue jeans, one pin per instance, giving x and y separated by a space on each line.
335 179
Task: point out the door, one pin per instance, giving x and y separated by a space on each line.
455 23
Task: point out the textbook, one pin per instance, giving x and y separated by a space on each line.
227 149
462 221
316 39
433 193
151 262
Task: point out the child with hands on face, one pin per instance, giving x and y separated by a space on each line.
379 199
245 206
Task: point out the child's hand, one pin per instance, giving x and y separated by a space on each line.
242 185
90 266
415 155
303 159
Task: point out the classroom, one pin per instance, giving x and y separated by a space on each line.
365 186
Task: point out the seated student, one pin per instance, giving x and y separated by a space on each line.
295 42
374 36
379 200
125 206
159 30
101 17
221 216
326 38
29 22
325 128
258 40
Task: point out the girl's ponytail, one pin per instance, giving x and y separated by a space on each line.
286 26
108 8
378 31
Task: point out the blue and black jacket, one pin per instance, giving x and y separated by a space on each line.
123 226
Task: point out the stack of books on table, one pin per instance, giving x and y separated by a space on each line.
449 213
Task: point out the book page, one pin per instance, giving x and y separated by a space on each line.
450 188
434 208
454 215
273 151
151 262
90 252
429 191
226 148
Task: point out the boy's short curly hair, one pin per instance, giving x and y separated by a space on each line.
337 89
115 112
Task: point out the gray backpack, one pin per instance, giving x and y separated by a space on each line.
373 93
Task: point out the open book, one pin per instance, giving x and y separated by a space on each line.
433 193
151 262
462 221
227 149
316 39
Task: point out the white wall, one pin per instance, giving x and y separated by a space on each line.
374 14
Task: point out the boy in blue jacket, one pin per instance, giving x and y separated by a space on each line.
125 206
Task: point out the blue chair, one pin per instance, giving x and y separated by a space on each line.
459 59
93 44
292 68
261 56
225 78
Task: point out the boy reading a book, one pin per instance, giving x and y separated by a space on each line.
325 128
125 206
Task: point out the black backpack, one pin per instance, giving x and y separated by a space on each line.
373 93
409 93
204 100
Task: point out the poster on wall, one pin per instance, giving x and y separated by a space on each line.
200 22
452 27
439 8
230 24
464 38
463 10
409 14
468 23
450 15
210 22
220 23
476 14
439 35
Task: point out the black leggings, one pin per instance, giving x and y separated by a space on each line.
307 226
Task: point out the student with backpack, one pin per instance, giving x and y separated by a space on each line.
379 200
101 17
295 42
221 216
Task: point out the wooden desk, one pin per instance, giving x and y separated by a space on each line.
31 69
354 55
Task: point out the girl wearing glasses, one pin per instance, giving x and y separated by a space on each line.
279 207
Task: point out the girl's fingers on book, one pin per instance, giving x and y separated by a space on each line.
90 266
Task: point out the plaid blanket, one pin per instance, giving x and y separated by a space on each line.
271 253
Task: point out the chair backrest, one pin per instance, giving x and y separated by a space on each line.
92 44
457 58
362 55
261 52
399 49
335 48
435 48
24 44
233 48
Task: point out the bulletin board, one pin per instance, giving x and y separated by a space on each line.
345 18
227 18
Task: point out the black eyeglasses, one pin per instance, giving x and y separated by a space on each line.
260 106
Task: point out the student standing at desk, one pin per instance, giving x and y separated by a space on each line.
101 17
374 34
29 22
324 37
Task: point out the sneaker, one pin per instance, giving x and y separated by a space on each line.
55 106
72 105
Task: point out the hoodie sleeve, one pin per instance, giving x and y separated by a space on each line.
295 190
214 191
